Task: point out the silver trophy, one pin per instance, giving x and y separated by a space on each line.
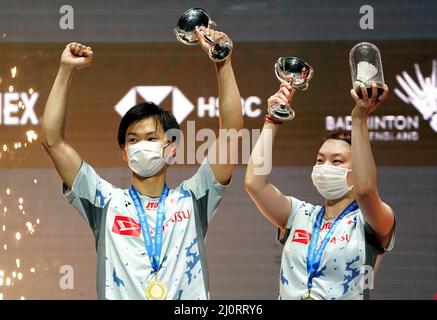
193 18
297 73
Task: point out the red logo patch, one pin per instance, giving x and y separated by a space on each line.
152 205
126 226
301 236
326 226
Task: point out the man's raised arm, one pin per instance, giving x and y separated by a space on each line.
66 160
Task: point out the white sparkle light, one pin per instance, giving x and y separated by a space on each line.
14 72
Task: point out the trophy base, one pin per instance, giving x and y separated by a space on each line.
220 49
369 91
281 112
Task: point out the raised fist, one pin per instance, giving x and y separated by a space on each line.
283 96
76 56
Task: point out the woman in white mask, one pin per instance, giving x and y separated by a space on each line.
330 251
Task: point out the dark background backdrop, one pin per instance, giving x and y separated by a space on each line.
134 46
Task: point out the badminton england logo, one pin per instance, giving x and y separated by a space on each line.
422 95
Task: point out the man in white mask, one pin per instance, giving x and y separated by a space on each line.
330 251
149 238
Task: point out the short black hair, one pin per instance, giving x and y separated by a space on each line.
146 110
342 135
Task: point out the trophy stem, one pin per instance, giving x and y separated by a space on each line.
220 49
208 39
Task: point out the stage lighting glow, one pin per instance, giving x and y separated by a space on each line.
31 136
8 276
14 72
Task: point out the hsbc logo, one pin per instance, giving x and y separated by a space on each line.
18 108
181 106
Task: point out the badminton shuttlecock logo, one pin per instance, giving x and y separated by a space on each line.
422 95
365 72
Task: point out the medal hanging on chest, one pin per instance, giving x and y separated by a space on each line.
308 297
315 253
155 289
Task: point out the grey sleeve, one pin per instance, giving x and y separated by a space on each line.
89 195
296 205
207 192
373 241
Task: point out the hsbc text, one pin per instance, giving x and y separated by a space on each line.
209 108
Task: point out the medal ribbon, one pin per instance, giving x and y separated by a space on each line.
153 251
315 256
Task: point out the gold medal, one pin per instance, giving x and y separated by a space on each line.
308 297
156 290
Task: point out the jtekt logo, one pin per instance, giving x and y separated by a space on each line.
181 106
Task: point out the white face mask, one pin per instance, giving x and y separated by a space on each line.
330 181
146 158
